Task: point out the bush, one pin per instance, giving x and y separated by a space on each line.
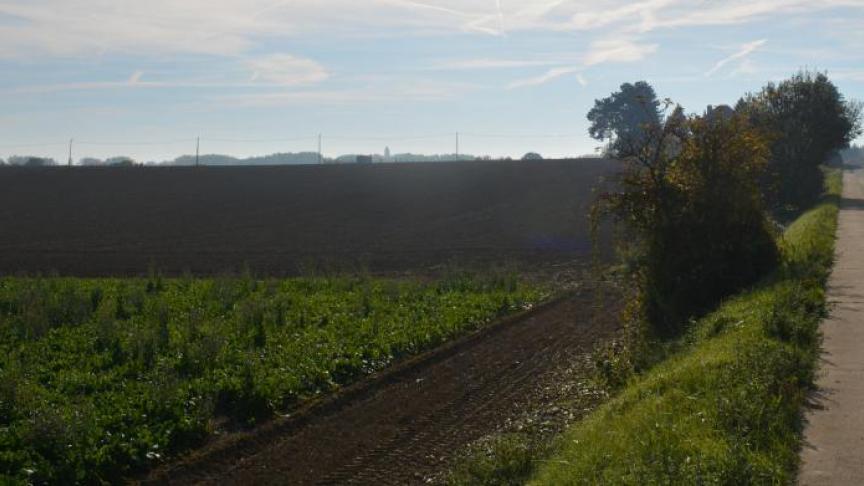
693 215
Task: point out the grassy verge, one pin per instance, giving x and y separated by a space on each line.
99 377
727 408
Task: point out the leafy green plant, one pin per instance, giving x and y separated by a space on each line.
103 377
508 459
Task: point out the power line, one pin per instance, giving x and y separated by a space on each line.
44 144
259 140
392 138
162 142
522 136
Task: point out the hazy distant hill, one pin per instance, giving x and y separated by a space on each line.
311 158
407 157
273 159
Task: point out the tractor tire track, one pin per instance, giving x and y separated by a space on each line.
405 425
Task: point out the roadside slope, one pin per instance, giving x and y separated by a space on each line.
726 407
833 451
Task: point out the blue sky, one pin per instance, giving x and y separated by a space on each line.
259 76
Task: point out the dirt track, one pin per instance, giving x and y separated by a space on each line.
404 426
91 221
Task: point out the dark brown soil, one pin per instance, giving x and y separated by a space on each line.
287 220
404 426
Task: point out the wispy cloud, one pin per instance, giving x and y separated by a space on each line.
602 14
617 50
135 78
744 51
425 6
599 52
581 80
287 70
608 30
271 71
848 74
544 78
487 63
421 91
66 28
134 81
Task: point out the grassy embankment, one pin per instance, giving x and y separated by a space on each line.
100 377
726 409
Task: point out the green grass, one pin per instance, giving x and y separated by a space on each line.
100 378
502 460
727 408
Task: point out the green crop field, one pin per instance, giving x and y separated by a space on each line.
103 377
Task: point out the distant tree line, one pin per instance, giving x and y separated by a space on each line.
701 194
272 159
854 155
406 157
33 161
28 161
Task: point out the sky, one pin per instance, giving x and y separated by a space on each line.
146 78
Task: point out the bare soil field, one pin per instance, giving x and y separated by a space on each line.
404 426
286 220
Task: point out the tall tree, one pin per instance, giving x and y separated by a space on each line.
808 120
625 118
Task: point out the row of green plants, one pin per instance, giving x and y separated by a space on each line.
101 378
725 408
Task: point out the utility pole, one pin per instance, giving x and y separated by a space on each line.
70 152
320 155
197 149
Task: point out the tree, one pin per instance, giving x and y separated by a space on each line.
625 117
808 120
532 156
693 216
31 161
121 161
854 155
